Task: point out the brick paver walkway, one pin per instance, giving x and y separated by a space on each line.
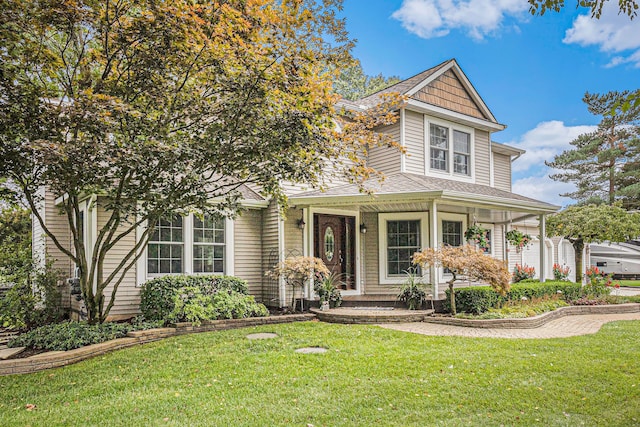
567 326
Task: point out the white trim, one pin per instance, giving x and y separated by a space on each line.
281 282
141 263
445 114
187 245
142 274
447 216
350 213
229 247
403 125
491 166
449 173
384 278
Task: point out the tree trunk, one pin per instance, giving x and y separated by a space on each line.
578 247
452 296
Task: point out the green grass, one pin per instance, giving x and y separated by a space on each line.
370 376
633 283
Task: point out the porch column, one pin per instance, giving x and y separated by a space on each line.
433 243
543 248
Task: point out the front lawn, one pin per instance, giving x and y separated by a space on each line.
369 376
632 283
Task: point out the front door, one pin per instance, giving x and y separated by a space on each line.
334 242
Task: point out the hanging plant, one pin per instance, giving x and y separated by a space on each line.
478 235
518 239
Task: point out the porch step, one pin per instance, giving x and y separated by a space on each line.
371 301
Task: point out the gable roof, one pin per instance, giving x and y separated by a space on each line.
444 87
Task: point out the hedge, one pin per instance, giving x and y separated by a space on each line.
479 299
157 295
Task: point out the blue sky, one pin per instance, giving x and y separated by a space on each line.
532 71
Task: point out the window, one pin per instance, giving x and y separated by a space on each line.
461 152
439 147
487 250
450 148
403 240
165 249
208 245
400 235
186 245
452 233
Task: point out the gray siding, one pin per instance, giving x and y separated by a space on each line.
385 159
248 250
369 242
58 225
292 234
502 171
482 153
270 254
414 142
127 301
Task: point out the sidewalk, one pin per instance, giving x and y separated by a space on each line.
568 326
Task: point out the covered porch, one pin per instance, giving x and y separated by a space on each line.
369 238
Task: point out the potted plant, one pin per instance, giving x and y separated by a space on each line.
518 239
478 236
412 292
296 271
327 289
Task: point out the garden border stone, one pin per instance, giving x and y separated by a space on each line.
539 320
55 359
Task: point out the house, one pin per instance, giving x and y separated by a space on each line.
451 176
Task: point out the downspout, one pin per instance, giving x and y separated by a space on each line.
281 283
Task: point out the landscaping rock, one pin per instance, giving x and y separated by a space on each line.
311 350
262 336
9 352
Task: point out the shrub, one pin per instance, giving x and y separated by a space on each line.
523 272
522 308
191 304
479 299
32 303
69 335
157 297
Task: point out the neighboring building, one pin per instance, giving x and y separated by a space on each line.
452 176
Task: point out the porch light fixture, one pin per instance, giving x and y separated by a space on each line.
363 228
301 223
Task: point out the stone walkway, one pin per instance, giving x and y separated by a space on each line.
568 326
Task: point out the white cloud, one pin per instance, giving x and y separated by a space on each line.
612 33
541 187
545 141
436 18
542 143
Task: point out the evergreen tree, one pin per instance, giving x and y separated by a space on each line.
604 164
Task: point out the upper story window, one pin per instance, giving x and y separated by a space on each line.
439 150
461 152
450 149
